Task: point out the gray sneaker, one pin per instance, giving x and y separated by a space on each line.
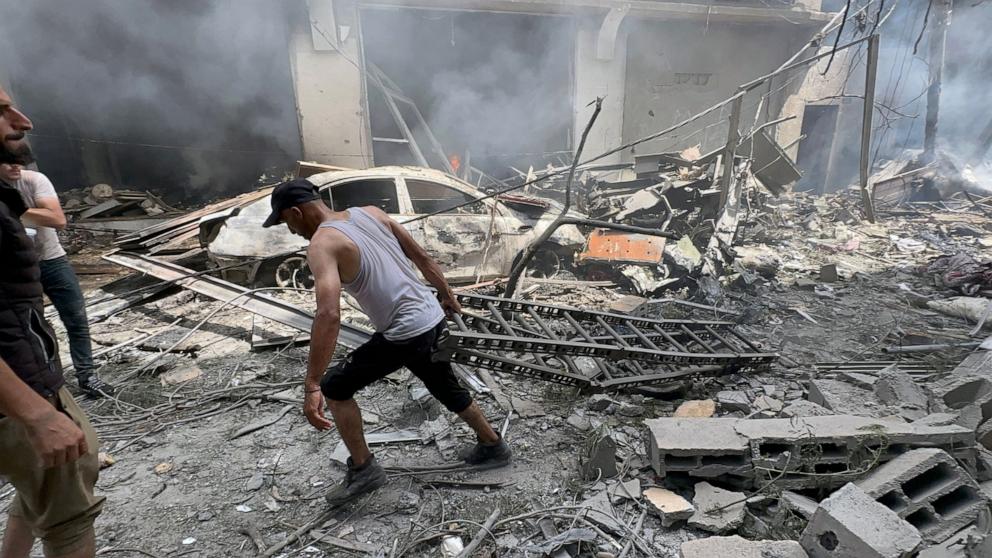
357 482
488 456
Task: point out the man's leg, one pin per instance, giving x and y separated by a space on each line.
365 365
440 380
474 417
17 538
348 418
62 287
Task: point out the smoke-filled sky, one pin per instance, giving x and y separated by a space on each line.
211 76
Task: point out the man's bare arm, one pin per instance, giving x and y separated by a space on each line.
47 214
420 258
326 323
55 438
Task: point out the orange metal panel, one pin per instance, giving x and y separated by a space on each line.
604 245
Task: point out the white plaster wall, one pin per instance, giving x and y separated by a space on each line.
599 78
330 101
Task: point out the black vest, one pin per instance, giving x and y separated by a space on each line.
27 342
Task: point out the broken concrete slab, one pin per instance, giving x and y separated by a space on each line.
863 381
804 408
669 506
895 387
718 511
768 404
731 400
699 408
619 491
958 391
927 488
340 453
738 547
978 363
843 398
851 523
802 505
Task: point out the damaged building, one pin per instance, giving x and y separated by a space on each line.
722 271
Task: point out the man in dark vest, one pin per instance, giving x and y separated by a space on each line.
48 450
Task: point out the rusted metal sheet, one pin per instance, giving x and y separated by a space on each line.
604 245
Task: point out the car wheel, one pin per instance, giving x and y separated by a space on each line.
293 272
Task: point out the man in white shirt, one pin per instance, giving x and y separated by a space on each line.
58 280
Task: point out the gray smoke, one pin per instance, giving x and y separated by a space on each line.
137 77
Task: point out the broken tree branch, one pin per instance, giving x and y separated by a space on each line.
531 250
260 425
488 525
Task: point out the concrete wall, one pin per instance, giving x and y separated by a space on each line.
330 89
596 77
677 69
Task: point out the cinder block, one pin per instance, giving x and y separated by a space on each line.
927 488
705 447
850 524
843 446
737 547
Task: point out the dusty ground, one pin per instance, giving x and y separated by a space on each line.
181 486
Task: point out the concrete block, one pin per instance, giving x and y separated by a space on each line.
895 387
738 547
733 401
843 445
704 447
669 506
843 398
700 408
851 524
804 408
927 488
802 505
717 510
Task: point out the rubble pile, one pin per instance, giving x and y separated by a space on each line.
102 201
827 391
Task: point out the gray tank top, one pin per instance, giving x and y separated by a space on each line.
387 287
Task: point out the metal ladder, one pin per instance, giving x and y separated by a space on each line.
593 349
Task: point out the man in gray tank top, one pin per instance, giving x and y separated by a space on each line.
372 257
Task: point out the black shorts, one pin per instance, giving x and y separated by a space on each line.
380 356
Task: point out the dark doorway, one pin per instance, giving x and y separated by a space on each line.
819 125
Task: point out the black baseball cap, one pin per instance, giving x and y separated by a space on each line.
290 194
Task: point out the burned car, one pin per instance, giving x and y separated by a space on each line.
478 241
